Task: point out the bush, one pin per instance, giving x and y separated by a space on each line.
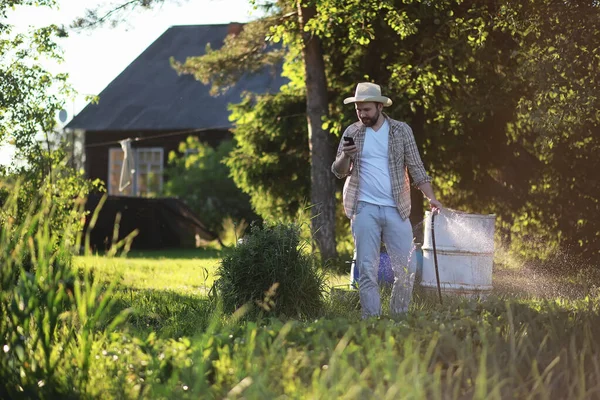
271 157
271 269
201 179
35 188
50 315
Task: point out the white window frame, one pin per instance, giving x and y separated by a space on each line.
160 164
135 185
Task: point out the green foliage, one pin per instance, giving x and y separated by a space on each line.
62 186
487 350
271 159
129 367
165 313
271 268
557 117
50 315
498 348
31 96
491 349
501 95
222 68
201 179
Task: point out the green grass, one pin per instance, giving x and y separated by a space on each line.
164 291
518 343
498 348
189 272
167 290
142 327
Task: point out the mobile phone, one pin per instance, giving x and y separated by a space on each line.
349 140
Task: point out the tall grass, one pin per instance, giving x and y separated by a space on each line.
490 350
271 268
69 333
50 315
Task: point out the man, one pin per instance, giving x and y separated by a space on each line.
376 160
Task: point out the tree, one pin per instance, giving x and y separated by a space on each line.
30 98
558 63
320 143
501 95
202 180
251 51
271 160
248 53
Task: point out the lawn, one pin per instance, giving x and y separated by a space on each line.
148 326
518 343
187 272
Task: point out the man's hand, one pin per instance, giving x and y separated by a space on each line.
349 149
428 193
341 165
435 205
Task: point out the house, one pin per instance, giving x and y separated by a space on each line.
156 108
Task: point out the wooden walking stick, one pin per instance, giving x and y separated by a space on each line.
435 262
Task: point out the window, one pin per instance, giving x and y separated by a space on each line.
148 177
115 163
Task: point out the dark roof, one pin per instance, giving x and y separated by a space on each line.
150 95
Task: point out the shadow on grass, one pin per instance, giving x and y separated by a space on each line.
167 313
178 254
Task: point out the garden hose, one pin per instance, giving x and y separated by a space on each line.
435 262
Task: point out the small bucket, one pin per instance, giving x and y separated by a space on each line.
385 274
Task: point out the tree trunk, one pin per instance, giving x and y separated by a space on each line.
320 143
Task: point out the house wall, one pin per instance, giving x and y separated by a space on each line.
97 145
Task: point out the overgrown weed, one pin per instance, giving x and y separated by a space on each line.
71 334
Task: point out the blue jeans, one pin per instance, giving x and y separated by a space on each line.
370 225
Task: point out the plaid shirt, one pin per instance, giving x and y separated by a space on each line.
403 157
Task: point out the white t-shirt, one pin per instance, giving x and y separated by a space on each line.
375 185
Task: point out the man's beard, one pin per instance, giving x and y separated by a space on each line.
369 122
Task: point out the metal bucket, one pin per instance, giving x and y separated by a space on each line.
465 253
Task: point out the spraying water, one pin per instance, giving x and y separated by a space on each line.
463 232
461 228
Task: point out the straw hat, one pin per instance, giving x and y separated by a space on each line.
366 91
